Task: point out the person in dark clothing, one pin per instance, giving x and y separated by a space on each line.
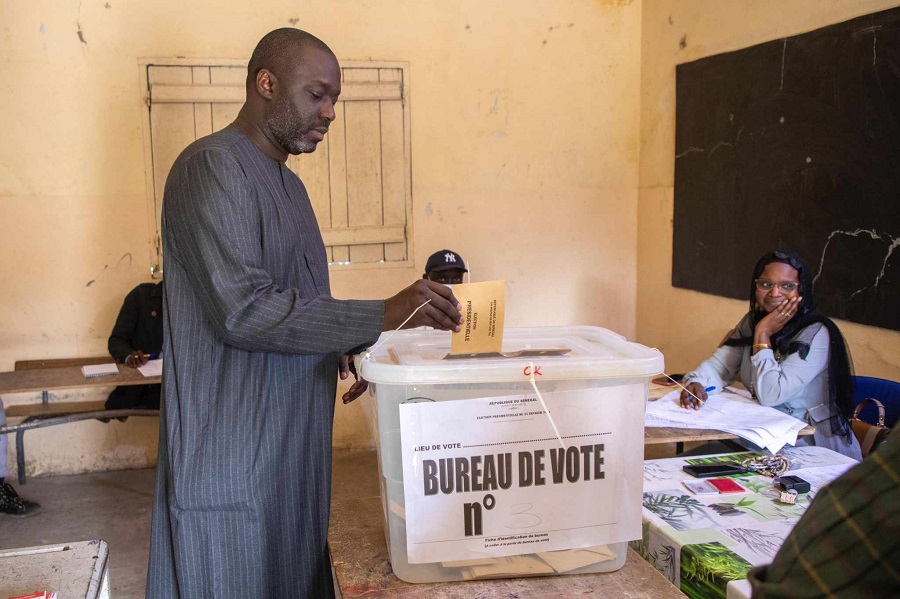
255 344
10 502
138 335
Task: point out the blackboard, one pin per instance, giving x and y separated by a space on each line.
795 144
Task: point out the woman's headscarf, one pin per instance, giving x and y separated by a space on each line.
786 341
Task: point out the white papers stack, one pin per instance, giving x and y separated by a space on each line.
94 370
729 412
152 368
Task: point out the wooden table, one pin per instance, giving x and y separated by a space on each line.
680 436
706 544
51 413
362 567
74 570
657 435
71 377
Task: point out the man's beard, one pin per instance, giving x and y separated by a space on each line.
289 129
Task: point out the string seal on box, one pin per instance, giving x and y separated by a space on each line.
391 333
544 405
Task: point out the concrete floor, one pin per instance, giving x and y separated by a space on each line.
113 506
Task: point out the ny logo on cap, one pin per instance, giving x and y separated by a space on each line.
449 257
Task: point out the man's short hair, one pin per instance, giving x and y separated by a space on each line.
276 48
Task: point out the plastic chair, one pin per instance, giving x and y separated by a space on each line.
885 391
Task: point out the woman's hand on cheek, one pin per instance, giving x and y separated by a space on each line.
775 320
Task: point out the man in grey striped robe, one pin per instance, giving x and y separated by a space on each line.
254 343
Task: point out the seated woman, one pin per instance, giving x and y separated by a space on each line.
789 356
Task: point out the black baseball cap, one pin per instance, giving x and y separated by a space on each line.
445 260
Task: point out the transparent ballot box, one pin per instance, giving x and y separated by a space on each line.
525 462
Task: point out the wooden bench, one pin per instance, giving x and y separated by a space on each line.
61 373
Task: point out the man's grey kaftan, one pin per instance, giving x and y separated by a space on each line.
252 340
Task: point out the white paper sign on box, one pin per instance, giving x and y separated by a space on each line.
487 477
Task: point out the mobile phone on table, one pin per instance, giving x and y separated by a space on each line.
708 470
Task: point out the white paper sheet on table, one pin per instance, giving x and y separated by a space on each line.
151 368
730 412
820 476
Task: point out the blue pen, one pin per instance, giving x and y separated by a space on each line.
155 356
708 389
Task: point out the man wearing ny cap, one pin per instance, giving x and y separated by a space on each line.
445 266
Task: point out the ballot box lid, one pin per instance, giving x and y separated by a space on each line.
550 353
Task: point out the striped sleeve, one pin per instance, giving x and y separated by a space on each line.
214 228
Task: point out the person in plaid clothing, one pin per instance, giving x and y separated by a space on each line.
847 544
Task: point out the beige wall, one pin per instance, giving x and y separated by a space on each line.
528 121
525 143
687 325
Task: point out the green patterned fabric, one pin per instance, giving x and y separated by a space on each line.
707 568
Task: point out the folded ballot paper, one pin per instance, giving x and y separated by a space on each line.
731 412
547 562
482 306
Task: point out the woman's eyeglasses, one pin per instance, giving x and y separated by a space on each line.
785 286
